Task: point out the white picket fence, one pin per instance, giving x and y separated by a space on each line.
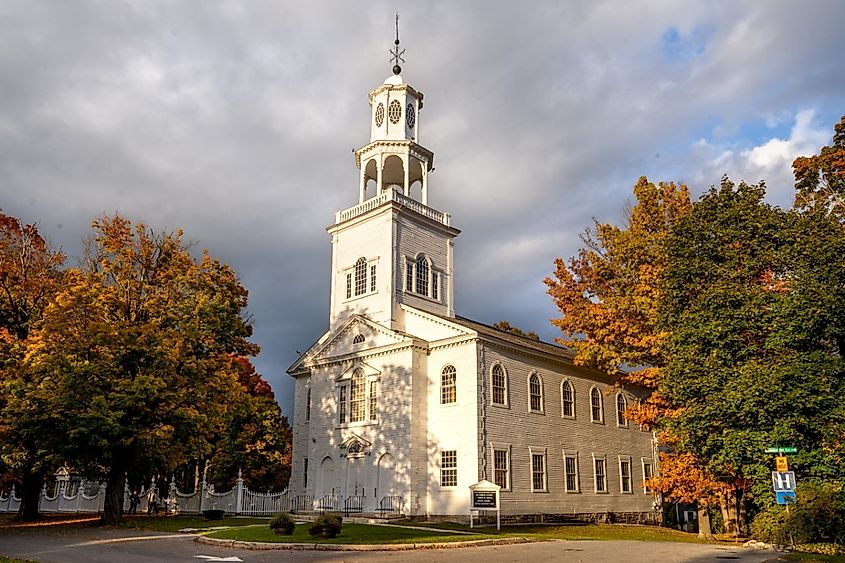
70 497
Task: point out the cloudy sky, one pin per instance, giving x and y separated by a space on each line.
236 121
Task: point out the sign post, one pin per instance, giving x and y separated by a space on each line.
484 496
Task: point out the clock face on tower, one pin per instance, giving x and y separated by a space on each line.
379 115
409 115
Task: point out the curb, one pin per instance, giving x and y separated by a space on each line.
356 547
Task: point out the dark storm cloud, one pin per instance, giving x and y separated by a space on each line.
236 122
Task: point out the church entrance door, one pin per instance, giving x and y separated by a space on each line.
355 476
386 485
326 485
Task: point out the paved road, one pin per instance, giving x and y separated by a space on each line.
62 545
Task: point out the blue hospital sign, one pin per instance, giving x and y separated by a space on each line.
783 480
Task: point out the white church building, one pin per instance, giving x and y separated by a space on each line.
402 404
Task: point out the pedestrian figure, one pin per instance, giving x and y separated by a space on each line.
152 501
134 501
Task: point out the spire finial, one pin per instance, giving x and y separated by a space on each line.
396 54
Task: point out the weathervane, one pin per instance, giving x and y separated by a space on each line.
396 54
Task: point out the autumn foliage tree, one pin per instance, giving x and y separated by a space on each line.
609 294
137 358
30 274
820 179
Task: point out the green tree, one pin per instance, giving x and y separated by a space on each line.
30 273
255 439
752 360
820 179
507 327
136 356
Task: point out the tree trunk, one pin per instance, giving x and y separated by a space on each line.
115 489
32 480
704 530
727 503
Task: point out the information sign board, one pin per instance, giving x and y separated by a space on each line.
785 497
485 500
781 464
781 450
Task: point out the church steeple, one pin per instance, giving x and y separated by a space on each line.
394 159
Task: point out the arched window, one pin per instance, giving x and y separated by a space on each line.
448 385
621 405
567 399
359 339
596 407
361 276
535 392
500 385
422 275
357 404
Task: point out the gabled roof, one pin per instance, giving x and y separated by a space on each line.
491 333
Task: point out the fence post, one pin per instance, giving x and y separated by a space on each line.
239 493
202 493
172 494
101 500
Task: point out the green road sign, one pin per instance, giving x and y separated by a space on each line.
782 450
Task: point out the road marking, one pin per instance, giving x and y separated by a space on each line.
130 538
215 558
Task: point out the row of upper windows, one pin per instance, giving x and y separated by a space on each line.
357 399
422 278
361 278
536 402
539 471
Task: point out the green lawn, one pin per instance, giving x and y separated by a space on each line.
367 534
351 533
575 532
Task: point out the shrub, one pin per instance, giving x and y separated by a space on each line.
215 514
817 515
326 526
282 523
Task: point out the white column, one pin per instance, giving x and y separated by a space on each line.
379 167
424 183
406 188
362 188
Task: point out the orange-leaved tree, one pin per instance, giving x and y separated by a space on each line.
30 273
609 297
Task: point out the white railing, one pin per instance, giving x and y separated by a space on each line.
394 196
239 500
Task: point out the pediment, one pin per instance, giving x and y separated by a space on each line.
369 371
357 335
355 446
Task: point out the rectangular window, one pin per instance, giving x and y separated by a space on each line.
372 278
625 476
501 468
305 475
409 276
449 468
648 472
373 400
600 472
538 472
308 405
348 286
357 406
341 405
571 473
435 286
